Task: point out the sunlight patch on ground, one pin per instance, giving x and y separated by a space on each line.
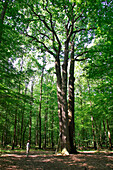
13 155
89 160
110 165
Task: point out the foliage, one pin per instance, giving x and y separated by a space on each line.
31 31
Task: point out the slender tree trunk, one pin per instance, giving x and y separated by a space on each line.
92 119
93 131
6 126
30 124
15 126
109 135
100 135
3 136
40 109
71 123
18 131
40 124
22 111
52 137
45 127
23 136
46 122
97 136
105 136
30 116
37 129
22 121
81 107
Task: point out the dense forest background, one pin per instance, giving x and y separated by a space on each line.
40 43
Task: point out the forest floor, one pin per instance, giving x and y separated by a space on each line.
47 160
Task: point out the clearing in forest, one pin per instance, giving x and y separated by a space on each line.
39 160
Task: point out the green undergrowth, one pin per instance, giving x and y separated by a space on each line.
23 151
96 151
36 150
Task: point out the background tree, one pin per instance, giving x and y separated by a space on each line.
49 28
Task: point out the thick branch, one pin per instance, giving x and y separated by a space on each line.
47 26
81 55
81 59
54 44
43 20
53 30
45 35
3 11
40 42
72 25
69 29
78 17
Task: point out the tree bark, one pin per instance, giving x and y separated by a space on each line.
30 114
71 123
22 110
40 109
97 136
3 136
105 136
45 127
65 131
18 131
2 18
92 119
93 131
59 96
52 134
100 135
109 135
15 126
36 130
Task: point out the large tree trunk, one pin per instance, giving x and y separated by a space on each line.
65 131
71 123
59 97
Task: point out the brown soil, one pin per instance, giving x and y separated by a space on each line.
48 161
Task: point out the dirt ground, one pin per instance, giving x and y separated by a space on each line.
38 160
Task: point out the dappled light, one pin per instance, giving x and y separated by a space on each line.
47 160
56 77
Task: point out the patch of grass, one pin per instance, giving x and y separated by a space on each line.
2 151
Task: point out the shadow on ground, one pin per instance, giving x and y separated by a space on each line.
46 161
